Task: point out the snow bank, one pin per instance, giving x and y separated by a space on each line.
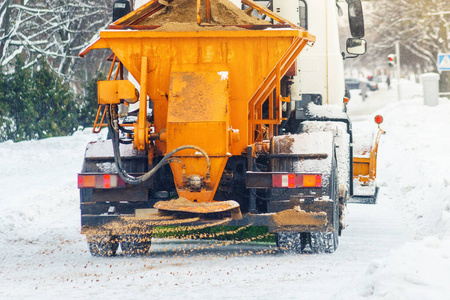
414 171
413 174
39 183
45 257
418 270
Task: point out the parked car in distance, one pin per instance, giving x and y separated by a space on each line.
355 84
358 84
373 86
352 83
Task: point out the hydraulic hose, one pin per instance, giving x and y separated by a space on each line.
166 159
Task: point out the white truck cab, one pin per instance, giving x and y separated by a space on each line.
320 69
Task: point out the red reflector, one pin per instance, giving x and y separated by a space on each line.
107 181
296 180
318 180
291 180
118 182
100 181
378 119
86 181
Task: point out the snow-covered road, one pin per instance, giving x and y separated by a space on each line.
396 249
55 263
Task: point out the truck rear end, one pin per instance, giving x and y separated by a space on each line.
213 149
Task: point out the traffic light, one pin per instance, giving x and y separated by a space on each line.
392 60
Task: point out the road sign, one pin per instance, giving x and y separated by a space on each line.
444 62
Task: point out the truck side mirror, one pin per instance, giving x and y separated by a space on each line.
356 46
120 9
355 18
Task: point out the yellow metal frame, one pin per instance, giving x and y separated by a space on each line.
112 91
208 11
265 11
99 122
265 92
142 126
212 51
141 13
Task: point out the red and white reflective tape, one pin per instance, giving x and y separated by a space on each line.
100 181
292 180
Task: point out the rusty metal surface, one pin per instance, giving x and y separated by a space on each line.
184 205
298 217
283 144
198 114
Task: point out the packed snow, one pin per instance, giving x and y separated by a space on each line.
398 248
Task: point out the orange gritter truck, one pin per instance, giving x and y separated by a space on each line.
216 137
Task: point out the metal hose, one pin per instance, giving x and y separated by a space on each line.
137 180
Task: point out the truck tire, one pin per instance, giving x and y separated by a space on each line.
137 243
293 242
103 245
327 242
323 242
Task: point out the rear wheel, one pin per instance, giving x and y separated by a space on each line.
328 241
291 241
103 245
324 242
137 243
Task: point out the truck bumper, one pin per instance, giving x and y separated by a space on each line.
295 219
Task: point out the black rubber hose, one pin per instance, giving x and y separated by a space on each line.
138 180
123 129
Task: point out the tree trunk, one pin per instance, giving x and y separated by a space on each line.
4 25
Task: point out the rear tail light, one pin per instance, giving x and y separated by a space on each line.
297 180
312 180
100 181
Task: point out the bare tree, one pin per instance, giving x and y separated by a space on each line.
422 28
55 30
421 33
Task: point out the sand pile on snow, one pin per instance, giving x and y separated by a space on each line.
182 15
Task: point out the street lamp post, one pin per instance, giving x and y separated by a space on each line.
397 54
